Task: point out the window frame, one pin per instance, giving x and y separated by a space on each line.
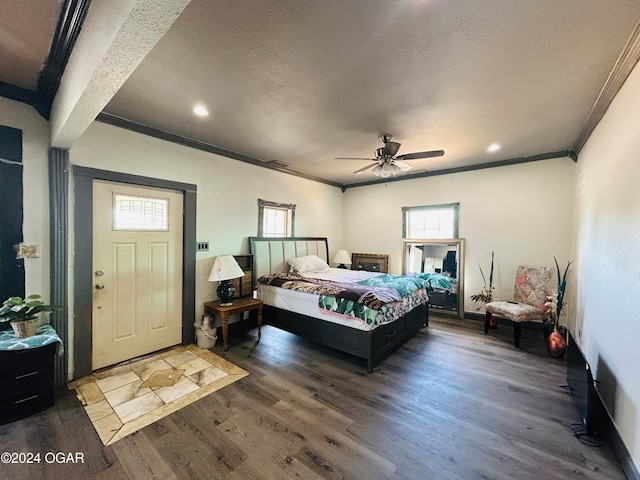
455 207
291 215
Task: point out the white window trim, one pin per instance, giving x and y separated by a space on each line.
454 206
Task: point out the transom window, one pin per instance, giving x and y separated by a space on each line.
140 213
275 219
431 221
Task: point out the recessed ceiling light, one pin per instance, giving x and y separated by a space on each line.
200 110
494 147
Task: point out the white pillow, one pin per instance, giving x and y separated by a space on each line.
308 263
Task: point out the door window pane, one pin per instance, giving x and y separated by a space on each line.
140 213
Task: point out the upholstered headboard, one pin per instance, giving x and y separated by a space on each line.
270 254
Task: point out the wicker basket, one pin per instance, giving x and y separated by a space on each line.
26 328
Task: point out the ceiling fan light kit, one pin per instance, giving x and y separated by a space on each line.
386 163
386 170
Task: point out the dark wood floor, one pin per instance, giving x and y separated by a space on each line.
451 403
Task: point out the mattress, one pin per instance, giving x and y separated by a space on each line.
309 304
306 304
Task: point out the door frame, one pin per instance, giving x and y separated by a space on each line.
83 264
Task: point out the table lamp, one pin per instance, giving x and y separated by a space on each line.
342 258
225 268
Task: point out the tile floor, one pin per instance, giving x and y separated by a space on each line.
125 398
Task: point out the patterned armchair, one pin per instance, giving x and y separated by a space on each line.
533 284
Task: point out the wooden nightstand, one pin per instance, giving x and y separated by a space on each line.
240 305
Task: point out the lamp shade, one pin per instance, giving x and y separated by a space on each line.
225 267
342 257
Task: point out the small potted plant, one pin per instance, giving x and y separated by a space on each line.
486 294
22 314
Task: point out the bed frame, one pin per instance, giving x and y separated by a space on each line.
270 256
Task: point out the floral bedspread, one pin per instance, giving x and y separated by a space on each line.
439 280
376 300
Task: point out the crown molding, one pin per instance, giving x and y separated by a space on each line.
205 147
469 168
621 70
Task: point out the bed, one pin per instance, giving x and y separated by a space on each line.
443 290
321 318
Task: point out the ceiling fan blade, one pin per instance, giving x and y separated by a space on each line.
364 169
403 166
417 155
355 158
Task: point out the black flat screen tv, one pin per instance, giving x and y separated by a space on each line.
583 389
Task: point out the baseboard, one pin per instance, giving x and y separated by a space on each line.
619 448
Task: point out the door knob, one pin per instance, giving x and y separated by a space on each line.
99 286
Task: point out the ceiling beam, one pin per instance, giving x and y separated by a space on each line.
116 36
72 15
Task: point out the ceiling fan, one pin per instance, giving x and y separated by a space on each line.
387 163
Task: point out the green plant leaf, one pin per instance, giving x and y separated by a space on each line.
562 285
11 301
484 280
34 303
16 309
491 274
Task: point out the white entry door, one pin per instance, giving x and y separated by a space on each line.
137 271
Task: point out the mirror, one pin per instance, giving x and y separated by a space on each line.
441 262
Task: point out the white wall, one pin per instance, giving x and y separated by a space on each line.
522 212
35 147
227 195
607 230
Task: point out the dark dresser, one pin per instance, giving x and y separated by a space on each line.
26 377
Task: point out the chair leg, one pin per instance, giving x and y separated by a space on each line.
487 321
516 334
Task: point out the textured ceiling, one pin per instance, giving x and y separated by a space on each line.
26 30
304 82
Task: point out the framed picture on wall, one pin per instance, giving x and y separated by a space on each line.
370 262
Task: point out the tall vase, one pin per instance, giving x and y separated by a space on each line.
547 329
556 344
